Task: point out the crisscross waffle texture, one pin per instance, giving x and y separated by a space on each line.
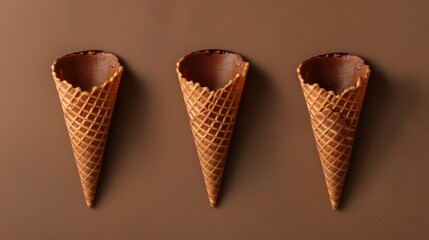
88 116
334 120
212 116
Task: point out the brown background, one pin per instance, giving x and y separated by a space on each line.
273 188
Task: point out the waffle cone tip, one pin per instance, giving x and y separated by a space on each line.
89 197
212 202
89 203
334 204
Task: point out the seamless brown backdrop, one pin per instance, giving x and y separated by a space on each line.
151 186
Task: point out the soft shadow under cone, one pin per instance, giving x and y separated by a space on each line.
212 82
334 88
87 84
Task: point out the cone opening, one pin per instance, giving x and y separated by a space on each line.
333 72
211 68
86 69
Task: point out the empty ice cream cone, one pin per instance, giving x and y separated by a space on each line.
87 84
212 82
334 88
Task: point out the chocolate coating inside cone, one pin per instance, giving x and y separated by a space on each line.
333 72
86 69
211 68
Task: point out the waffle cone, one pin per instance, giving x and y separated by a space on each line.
212 98
334 88
87 84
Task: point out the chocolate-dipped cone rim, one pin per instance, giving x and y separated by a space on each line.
209 52
113 63
347 58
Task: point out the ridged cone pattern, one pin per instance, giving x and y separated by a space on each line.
212 116
334 120
88 116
